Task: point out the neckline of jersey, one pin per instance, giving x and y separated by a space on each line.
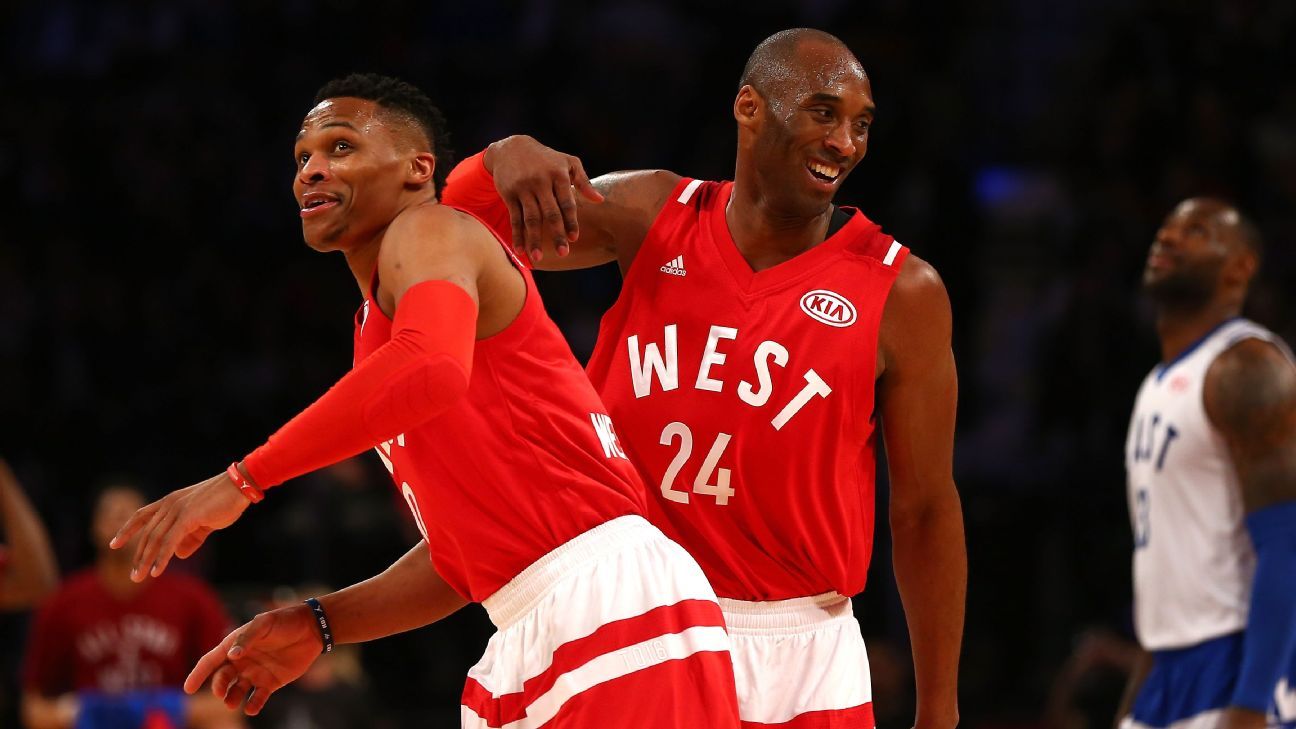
750 280
1162 369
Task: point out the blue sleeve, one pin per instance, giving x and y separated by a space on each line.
1271 624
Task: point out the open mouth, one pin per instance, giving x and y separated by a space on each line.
824 172
317 202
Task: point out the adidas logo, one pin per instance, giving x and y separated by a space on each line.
675 266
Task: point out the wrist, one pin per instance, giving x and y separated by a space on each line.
321 621
238 474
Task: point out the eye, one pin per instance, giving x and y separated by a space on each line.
341 145
302 159
861 126
821 113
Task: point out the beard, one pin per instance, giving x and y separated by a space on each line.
1185 289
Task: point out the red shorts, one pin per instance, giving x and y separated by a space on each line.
617 627
800 664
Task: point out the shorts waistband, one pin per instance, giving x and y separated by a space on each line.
784 615
520 594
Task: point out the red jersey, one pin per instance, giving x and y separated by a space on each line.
524 462
746 399
85 638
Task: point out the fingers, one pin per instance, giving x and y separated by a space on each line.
208 664
257 701
531 221
566 197
192 542
132 525
554 218
155 536
581 181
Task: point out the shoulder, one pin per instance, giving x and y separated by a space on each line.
1250 377
917 322
918 297
434 232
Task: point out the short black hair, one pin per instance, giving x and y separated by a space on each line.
769 63
403 98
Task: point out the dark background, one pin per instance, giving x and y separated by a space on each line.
159 314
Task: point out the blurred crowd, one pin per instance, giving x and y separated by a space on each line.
159 315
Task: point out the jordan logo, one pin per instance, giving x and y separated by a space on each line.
675 266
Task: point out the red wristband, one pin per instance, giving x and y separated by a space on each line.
245 487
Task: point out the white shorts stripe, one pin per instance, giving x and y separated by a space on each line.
689 189
892 253
624 662
597 578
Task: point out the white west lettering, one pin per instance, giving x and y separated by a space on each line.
607 435
764 353
814 386
642 367
712 357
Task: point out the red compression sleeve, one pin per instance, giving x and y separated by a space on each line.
420 372
470 187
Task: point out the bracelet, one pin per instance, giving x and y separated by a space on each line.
245 487
326 633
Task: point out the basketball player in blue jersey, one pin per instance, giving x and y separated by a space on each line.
1211 464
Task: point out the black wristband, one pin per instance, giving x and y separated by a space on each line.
321 620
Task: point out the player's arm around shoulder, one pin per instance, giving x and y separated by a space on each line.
917 392
561 218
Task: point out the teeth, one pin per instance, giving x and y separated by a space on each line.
829 172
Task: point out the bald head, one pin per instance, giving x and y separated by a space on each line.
1231 226
784 58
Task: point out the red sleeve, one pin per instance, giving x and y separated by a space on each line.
47 665
470 187
421 371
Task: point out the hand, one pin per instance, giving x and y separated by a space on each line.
178 523
1236 717
263 656
537 184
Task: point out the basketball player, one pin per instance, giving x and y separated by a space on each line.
500 446
1211 459
760 335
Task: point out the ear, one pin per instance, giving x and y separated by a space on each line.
1245 264
747 106
421 168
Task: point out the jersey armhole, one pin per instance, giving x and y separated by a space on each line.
684 199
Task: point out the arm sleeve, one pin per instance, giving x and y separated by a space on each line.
1271 624
471 188
421 371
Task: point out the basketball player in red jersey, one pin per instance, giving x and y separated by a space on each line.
760 334
512 472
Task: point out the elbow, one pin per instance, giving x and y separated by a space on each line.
422 390
938 506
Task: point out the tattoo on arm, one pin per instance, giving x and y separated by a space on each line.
1250 396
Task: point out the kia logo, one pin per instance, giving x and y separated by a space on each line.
828 307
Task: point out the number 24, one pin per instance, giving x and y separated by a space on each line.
701 485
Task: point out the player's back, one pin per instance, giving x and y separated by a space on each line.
1193 559
526 461
746 398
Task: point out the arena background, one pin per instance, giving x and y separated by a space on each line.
159 314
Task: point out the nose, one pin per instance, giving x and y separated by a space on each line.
840 139
315 170
1167 235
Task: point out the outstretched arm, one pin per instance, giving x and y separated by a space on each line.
429 267
31 573
276 648
556 217
1250 397
918 392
